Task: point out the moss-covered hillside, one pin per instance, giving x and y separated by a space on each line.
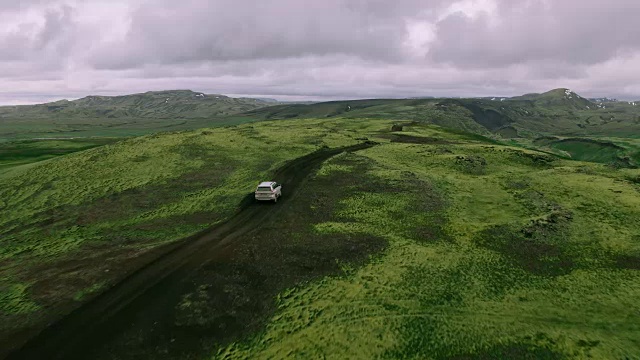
431 244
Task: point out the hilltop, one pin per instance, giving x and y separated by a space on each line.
559 112
556 112
557 97
122 116
182 104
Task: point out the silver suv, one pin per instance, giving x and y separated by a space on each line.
268 190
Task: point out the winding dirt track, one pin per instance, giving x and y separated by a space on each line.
154 288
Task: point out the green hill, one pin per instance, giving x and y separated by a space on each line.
557 112
431 243
176 104
521 119
558 97
121 116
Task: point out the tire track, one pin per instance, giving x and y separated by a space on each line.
154 288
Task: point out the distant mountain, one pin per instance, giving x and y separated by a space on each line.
558 112
557 97
152 104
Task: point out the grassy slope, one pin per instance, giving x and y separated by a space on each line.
172 104
118 116
30 151
524 254
528 116
28 129
118 201
482 289
423 110
613 151
557 112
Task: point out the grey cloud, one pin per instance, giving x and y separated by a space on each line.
316 49
48 43
344 78
57 29
15 45
556 70
16 5
189 31
575 31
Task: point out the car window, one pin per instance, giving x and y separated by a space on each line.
264 188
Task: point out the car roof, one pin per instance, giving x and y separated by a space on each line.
266 183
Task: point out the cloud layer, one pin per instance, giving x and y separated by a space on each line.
293 49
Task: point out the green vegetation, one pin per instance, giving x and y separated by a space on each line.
557 112
617 152
511 231
590 150
121 116
90 128
14 301
513 266
30 151
174 104
89 217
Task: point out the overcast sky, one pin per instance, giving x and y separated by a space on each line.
328 49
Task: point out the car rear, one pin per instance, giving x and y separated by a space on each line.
265 192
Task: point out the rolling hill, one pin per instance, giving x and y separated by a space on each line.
180 104
522 119
469 218
122 116
421 243
557 112
557 97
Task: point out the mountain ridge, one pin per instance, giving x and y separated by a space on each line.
558 112
163 104
560 96
555 112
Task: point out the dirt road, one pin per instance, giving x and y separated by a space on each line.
150 294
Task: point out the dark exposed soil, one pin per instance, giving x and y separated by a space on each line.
209 288
625 261
232 294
